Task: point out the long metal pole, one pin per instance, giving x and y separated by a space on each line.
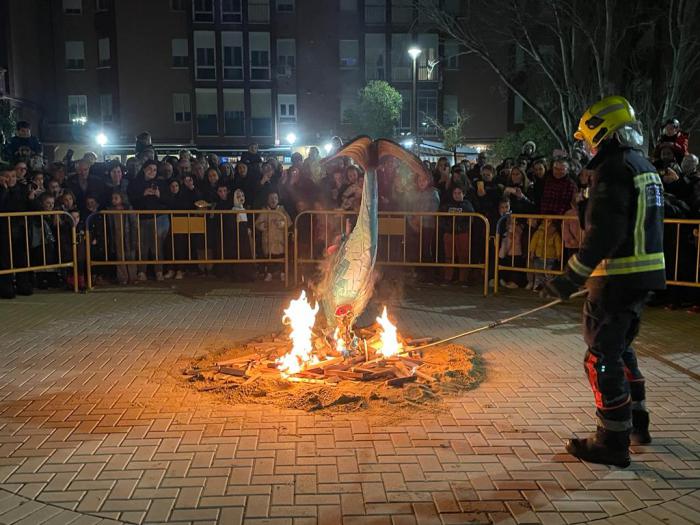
501 321
414 104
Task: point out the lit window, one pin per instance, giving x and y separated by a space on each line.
349 51
181 107
103 52
286 56
181 52
106 111
234 113
73 7
77 109
231 11
75 55
285 6
232 51
287 108
205 55
375 11
207 112
428 43
203 10
260 113
259 11
259 56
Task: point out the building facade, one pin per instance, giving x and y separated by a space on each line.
220 74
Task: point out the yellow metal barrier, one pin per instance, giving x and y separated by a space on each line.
682 249
406 239
37 241
186 237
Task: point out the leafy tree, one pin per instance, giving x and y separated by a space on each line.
511 144
377 111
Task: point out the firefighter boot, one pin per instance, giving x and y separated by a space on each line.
604 447
640 428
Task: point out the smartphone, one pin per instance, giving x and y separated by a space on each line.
480 185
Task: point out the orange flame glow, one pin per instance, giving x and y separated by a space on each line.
390 342
301 316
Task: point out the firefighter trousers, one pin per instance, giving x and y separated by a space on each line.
611 318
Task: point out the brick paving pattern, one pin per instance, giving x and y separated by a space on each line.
95 430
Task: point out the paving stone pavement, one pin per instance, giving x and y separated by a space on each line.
94 428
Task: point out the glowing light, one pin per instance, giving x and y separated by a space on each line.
414 52
328 147
390 343
101 139
79 120
301 316
291 138
408 144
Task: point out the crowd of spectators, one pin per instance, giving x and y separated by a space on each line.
556 184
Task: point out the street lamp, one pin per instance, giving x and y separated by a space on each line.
291 138
414 52
101 139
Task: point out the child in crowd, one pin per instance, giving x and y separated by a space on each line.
43 245
455 234
122 238
545 247
274 232
571 229
510 252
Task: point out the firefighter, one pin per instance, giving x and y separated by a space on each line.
620 261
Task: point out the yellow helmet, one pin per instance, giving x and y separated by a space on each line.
603 118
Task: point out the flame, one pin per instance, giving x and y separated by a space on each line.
301 316
390 343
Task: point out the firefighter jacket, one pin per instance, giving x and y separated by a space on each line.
623 239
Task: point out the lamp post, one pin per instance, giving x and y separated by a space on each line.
414 52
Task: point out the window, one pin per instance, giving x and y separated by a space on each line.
73 7
77 109
401 62
103 52
205 67
207 112
181 107
287 108
102 5
259 56
450 109
348 100
452 54
286 56
285 6
260 113
234 113
203 10
106 108
259 11
179 5
518 110
405 118
375 11
232 51
181 52
375 56
348 5
401 11
428 42
452 6
427 111
231 11
349 51
75 55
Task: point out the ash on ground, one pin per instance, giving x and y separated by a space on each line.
444 371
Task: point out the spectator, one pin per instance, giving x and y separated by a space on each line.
241 239
265 186
488 194
671 134
252 159
23 144
351 196
545 246
334 184
67 201
83 184
116 182
421 236
122 238
54 189
558 189
538 173
441 174
458 179
571 229
43 245
144 142
510 251
455 235
199 175
274 232
189 192
21 171
246 181
517 190
13 198
57 172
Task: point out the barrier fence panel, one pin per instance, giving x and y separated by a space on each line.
173 239
536 246
39 241
453 242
